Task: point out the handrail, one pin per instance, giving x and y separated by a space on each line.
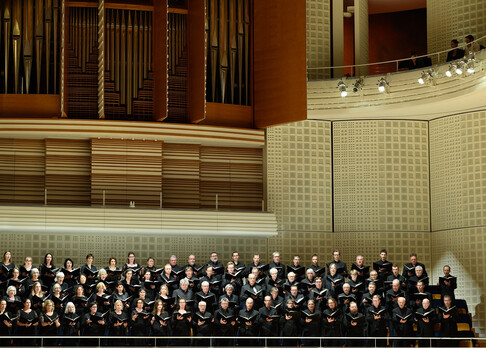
396 60
243 338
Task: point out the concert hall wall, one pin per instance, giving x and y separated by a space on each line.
358 186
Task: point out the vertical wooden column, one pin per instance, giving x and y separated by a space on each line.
279 62
101 59
63 58
196 53
159 52
361 30
337 37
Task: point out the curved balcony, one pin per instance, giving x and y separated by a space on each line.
404 97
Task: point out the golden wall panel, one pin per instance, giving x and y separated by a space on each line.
318 36
457 171
464 250
299 180
381 176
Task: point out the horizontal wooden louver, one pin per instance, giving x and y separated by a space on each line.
68 171
22 171
234 174
181 176
126 170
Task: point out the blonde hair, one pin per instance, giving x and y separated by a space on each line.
47 303
33 289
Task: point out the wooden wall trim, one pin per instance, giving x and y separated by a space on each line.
30 105
229 115
86 129
81 220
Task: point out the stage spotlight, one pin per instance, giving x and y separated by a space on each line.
424 77
427 76
470 65
358 85
460 67
452 69
342 88
382 85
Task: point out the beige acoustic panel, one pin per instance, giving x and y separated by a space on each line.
399 246
68 171
22 170
381 176
457 171
235 175
299 182
361 33
181 171
464 250
301 243
127 170
318 37
453 19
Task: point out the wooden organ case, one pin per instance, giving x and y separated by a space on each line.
237 63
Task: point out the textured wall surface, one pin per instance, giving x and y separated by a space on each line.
453 19
358 186
458 171
299 180
318 37
458 205
465 251
381 176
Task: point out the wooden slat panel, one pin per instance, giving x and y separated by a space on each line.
22 171
128 170
122 221
196 81
279 61
68 170
234 174
181 176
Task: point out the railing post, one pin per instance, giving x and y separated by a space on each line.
104 198
216 202
45 196
263 205
161 200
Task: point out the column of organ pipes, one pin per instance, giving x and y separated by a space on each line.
176 39
30 34
128 52
83 33
228 33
